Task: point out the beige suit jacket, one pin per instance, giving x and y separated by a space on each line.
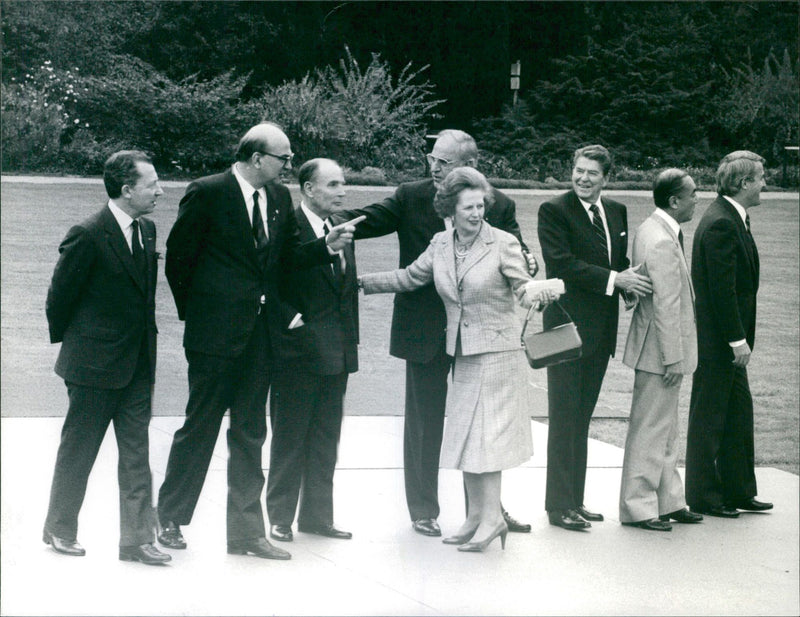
480 299
663 328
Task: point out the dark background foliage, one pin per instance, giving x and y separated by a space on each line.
661 83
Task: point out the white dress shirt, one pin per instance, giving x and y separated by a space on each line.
247 193
612 276
743 213
125 223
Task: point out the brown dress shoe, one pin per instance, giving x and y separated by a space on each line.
427 527
718 511
652 524
751 505
595 517
170 535
146 553
682 516
282 533
260 547
568 519
514 525
329 531
65 547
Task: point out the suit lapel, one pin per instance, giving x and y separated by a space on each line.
120 247
744 237
577 212
478 251
272 211
677 246
307 234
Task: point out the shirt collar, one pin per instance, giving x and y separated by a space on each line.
739 208
313 219
673 224
124 219
247 188
586 205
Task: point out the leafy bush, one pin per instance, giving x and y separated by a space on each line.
189 126
30 130
358 117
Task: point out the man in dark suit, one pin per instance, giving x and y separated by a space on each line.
101 308
316 352
584 242
720 457
419 321
235 232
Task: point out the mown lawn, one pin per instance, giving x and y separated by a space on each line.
35 217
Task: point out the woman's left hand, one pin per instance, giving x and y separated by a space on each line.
545 298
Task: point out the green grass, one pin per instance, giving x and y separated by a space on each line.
35 217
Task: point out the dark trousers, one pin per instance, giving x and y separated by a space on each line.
426 395
90 412
572 391
217 384
720 455
306 415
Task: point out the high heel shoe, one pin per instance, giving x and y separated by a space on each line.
479 547
464 537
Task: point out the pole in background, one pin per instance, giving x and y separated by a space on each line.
516 68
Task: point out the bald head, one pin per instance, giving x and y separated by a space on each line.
322 184
264 152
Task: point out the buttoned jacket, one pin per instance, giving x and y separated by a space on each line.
479 296
663 330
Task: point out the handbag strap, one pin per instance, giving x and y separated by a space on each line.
530 315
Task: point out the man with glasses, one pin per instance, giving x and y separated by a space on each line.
419 321
234 235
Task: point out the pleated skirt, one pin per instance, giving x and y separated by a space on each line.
488 425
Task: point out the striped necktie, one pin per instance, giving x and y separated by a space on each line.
599 230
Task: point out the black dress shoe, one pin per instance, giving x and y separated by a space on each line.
589 516
427 527
329 531
170 535
719 511
751 505
514 525
260 547
146 553
65 547
682 516
568 519
282 533
653 524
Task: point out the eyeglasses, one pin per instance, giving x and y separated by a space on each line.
286 158
435 159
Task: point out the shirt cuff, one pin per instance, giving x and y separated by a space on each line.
738 343
612 278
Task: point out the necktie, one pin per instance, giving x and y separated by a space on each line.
599 230
747 222
136 248
259 235
680 238
339 266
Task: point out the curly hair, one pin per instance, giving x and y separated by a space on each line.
458 180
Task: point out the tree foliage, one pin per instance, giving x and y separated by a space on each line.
658 82
361 117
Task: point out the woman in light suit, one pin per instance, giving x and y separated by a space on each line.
479 272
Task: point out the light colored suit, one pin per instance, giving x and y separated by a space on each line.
488 423
477 299
662 332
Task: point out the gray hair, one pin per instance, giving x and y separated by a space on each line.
458 180
734 169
